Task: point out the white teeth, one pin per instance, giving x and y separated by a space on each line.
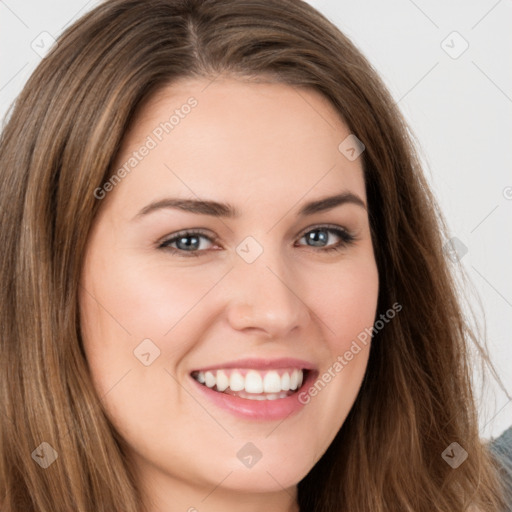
300 379
285 382
222 381
294 379
209 379
269 396
254 382
236 382
272 382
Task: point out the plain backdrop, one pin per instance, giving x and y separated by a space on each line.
448 66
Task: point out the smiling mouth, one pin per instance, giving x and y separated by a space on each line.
253 384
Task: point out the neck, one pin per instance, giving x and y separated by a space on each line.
166 493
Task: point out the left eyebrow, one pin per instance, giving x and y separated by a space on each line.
330 202
217 209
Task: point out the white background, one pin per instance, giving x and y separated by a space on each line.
459 107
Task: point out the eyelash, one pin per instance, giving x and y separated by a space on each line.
347 239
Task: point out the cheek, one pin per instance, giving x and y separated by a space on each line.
128 302
151 301
346 300
121 308
133 324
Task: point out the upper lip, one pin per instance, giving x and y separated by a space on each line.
261 364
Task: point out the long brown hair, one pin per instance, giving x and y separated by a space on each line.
59 146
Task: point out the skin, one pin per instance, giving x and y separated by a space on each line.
267 148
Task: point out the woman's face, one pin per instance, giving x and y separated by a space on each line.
183 331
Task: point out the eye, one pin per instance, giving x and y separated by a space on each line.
186 242
319 236
189 243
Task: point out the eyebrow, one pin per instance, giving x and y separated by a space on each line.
226 210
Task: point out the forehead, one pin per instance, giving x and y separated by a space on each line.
231 138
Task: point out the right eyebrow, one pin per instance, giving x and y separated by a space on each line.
198 206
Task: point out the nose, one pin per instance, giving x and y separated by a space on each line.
263 297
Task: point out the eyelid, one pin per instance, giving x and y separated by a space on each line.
185 233
347 239
334 227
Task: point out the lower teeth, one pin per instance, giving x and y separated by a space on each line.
268 396
259 396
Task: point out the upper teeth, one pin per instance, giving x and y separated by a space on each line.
252 381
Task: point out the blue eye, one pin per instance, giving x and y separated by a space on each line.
189 243
320 235
186 242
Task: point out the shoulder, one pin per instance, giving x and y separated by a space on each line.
503 444
501 450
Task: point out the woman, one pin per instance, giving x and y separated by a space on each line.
224 283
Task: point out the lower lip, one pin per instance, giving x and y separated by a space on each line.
263 410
